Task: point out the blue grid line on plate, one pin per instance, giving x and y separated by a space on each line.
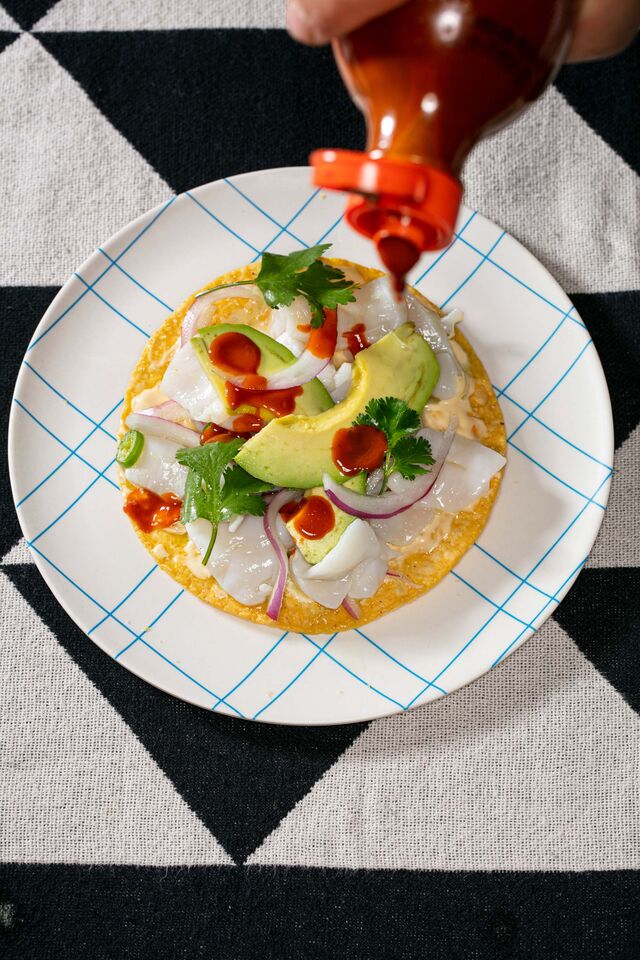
184 673
512 572
72 504
256 206
123 601
111 307
573 573
445 251
485 257
61 442
84 592
536 354
288 224
68 456
351 673
114 263
549 392
585 496
70 402
70 580
500 607
391 657
330 230
517 279
224 225
298 675
252 671
513 593
555 433
138 636
100 276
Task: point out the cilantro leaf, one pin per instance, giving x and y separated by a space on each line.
281 279
406 453
216 491
411 456
301 273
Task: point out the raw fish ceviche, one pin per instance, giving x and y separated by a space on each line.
300 439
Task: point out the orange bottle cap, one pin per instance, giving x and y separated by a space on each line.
392 196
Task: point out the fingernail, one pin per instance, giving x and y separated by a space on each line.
302 27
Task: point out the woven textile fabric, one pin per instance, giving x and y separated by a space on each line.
500 821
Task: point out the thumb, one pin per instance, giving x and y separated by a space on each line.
318 21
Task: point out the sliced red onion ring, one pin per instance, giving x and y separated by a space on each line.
195 315
389 504
270 521
166 429
171 410
352 607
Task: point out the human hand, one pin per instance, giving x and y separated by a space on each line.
603 27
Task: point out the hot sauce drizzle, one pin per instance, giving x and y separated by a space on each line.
322 340
277 402
243 426
235 354
313 517
152 511
358 448
356 338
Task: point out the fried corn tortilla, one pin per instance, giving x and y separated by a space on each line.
421 565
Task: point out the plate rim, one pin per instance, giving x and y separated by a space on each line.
146 218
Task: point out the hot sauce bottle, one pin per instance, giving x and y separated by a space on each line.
432 77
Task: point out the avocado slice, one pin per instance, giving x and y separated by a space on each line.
314 399
295 451
314 551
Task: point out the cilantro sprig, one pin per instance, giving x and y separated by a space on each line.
301 273
406 453
216 490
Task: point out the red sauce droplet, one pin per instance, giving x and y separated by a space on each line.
289 509
322 340
315 518
398 256
235 354
305 327
152 511
247 424
356 338
358 448
277 402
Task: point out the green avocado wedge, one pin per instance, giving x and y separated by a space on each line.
314 551
295 451
314 399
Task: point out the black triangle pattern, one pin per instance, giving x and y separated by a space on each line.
240 777
195 103
612 320
27 12
602 615
20 311
605 94
6 37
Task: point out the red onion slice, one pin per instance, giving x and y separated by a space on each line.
165 429
270 521
389 504
173 411
352 607
195 315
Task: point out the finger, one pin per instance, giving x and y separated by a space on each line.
318 21
604 27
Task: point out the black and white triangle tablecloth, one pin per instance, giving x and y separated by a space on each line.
502 821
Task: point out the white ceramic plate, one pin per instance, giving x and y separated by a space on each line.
62 443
